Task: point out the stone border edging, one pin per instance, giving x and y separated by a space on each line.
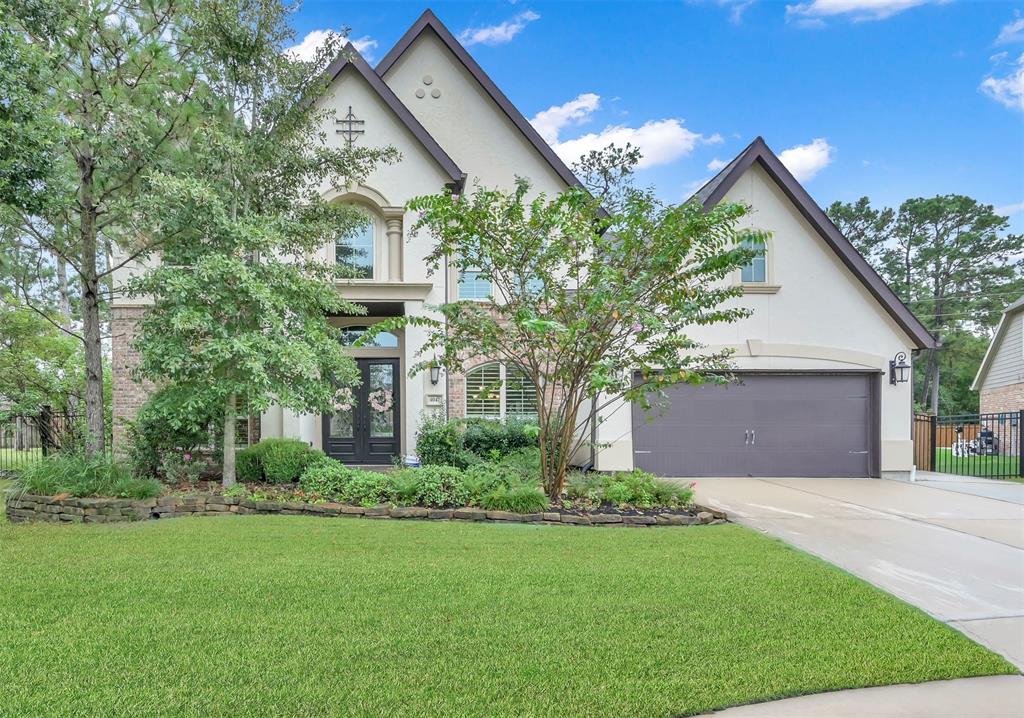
28 507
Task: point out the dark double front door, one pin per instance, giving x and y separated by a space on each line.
365 428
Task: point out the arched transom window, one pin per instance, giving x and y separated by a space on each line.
497 391
383 340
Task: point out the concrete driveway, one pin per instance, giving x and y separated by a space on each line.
952 546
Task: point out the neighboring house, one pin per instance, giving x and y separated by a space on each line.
1000 378
814 356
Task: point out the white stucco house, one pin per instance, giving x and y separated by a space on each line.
814 357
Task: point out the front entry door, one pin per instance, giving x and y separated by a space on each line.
364 428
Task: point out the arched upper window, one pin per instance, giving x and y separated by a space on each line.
383 340
357 251
497 391
756 270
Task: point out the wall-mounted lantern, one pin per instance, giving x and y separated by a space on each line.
435 373
899 370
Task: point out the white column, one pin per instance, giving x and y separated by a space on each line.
394 232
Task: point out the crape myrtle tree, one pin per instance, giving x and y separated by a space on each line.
952 260
241 301
97 96
588 287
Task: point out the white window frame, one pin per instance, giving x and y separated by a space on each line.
503 414
375 243
458 287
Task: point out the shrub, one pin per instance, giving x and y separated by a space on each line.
494 439
276 461
438 486
367 488
440 442
525 462
166 425
628 488
80 476
523 498
483 478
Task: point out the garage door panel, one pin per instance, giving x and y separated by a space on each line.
768 425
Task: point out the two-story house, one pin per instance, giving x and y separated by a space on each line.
820 358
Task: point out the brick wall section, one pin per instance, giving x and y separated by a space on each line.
129 395
1002 399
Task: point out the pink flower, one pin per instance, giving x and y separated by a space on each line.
187 457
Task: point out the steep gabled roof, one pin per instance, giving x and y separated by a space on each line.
428 20
350 56
997 338
757 151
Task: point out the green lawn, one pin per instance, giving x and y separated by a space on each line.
288 616
992 466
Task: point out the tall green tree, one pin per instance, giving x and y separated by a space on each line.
115 91
952 260
587 288
40 365
242 297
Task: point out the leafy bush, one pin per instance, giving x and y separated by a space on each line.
463 443
494 439
628 488
440 442
483 478
276 461
368 488
523 498
168 424
80 476
332 479
438 486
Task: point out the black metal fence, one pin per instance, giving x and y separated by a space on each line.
27 438
987 445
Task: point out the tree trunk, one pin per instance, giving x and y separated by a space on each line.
935 388
228 468
95 440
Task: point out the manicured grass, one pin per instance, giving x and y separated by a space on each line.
288 616
995 467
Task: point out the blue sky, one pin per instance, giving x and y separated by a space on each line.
885 98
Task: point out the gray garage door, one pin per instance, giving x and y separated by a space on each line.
769 425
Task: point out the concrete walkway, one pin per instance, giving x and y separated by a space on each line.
989 697
952 546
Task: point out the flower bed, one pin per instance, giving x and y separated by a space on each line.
68 509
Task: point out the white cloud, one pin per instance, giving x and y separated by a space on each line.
812 13
1011 32
1010 209
498 34
805 161
736 9
550 122
306 50
716 164
659 142
1008 90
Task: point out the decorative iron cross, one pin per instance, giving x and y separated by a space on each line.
350 126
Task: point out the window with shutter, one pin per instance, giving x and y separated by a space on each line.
494 391
483 392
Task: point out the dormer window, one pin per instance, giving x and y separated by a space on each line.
756 271
356 252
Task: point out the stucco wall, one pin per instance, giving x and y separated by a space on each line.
821 318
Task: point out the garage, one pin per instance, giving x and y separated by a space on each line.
767 424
